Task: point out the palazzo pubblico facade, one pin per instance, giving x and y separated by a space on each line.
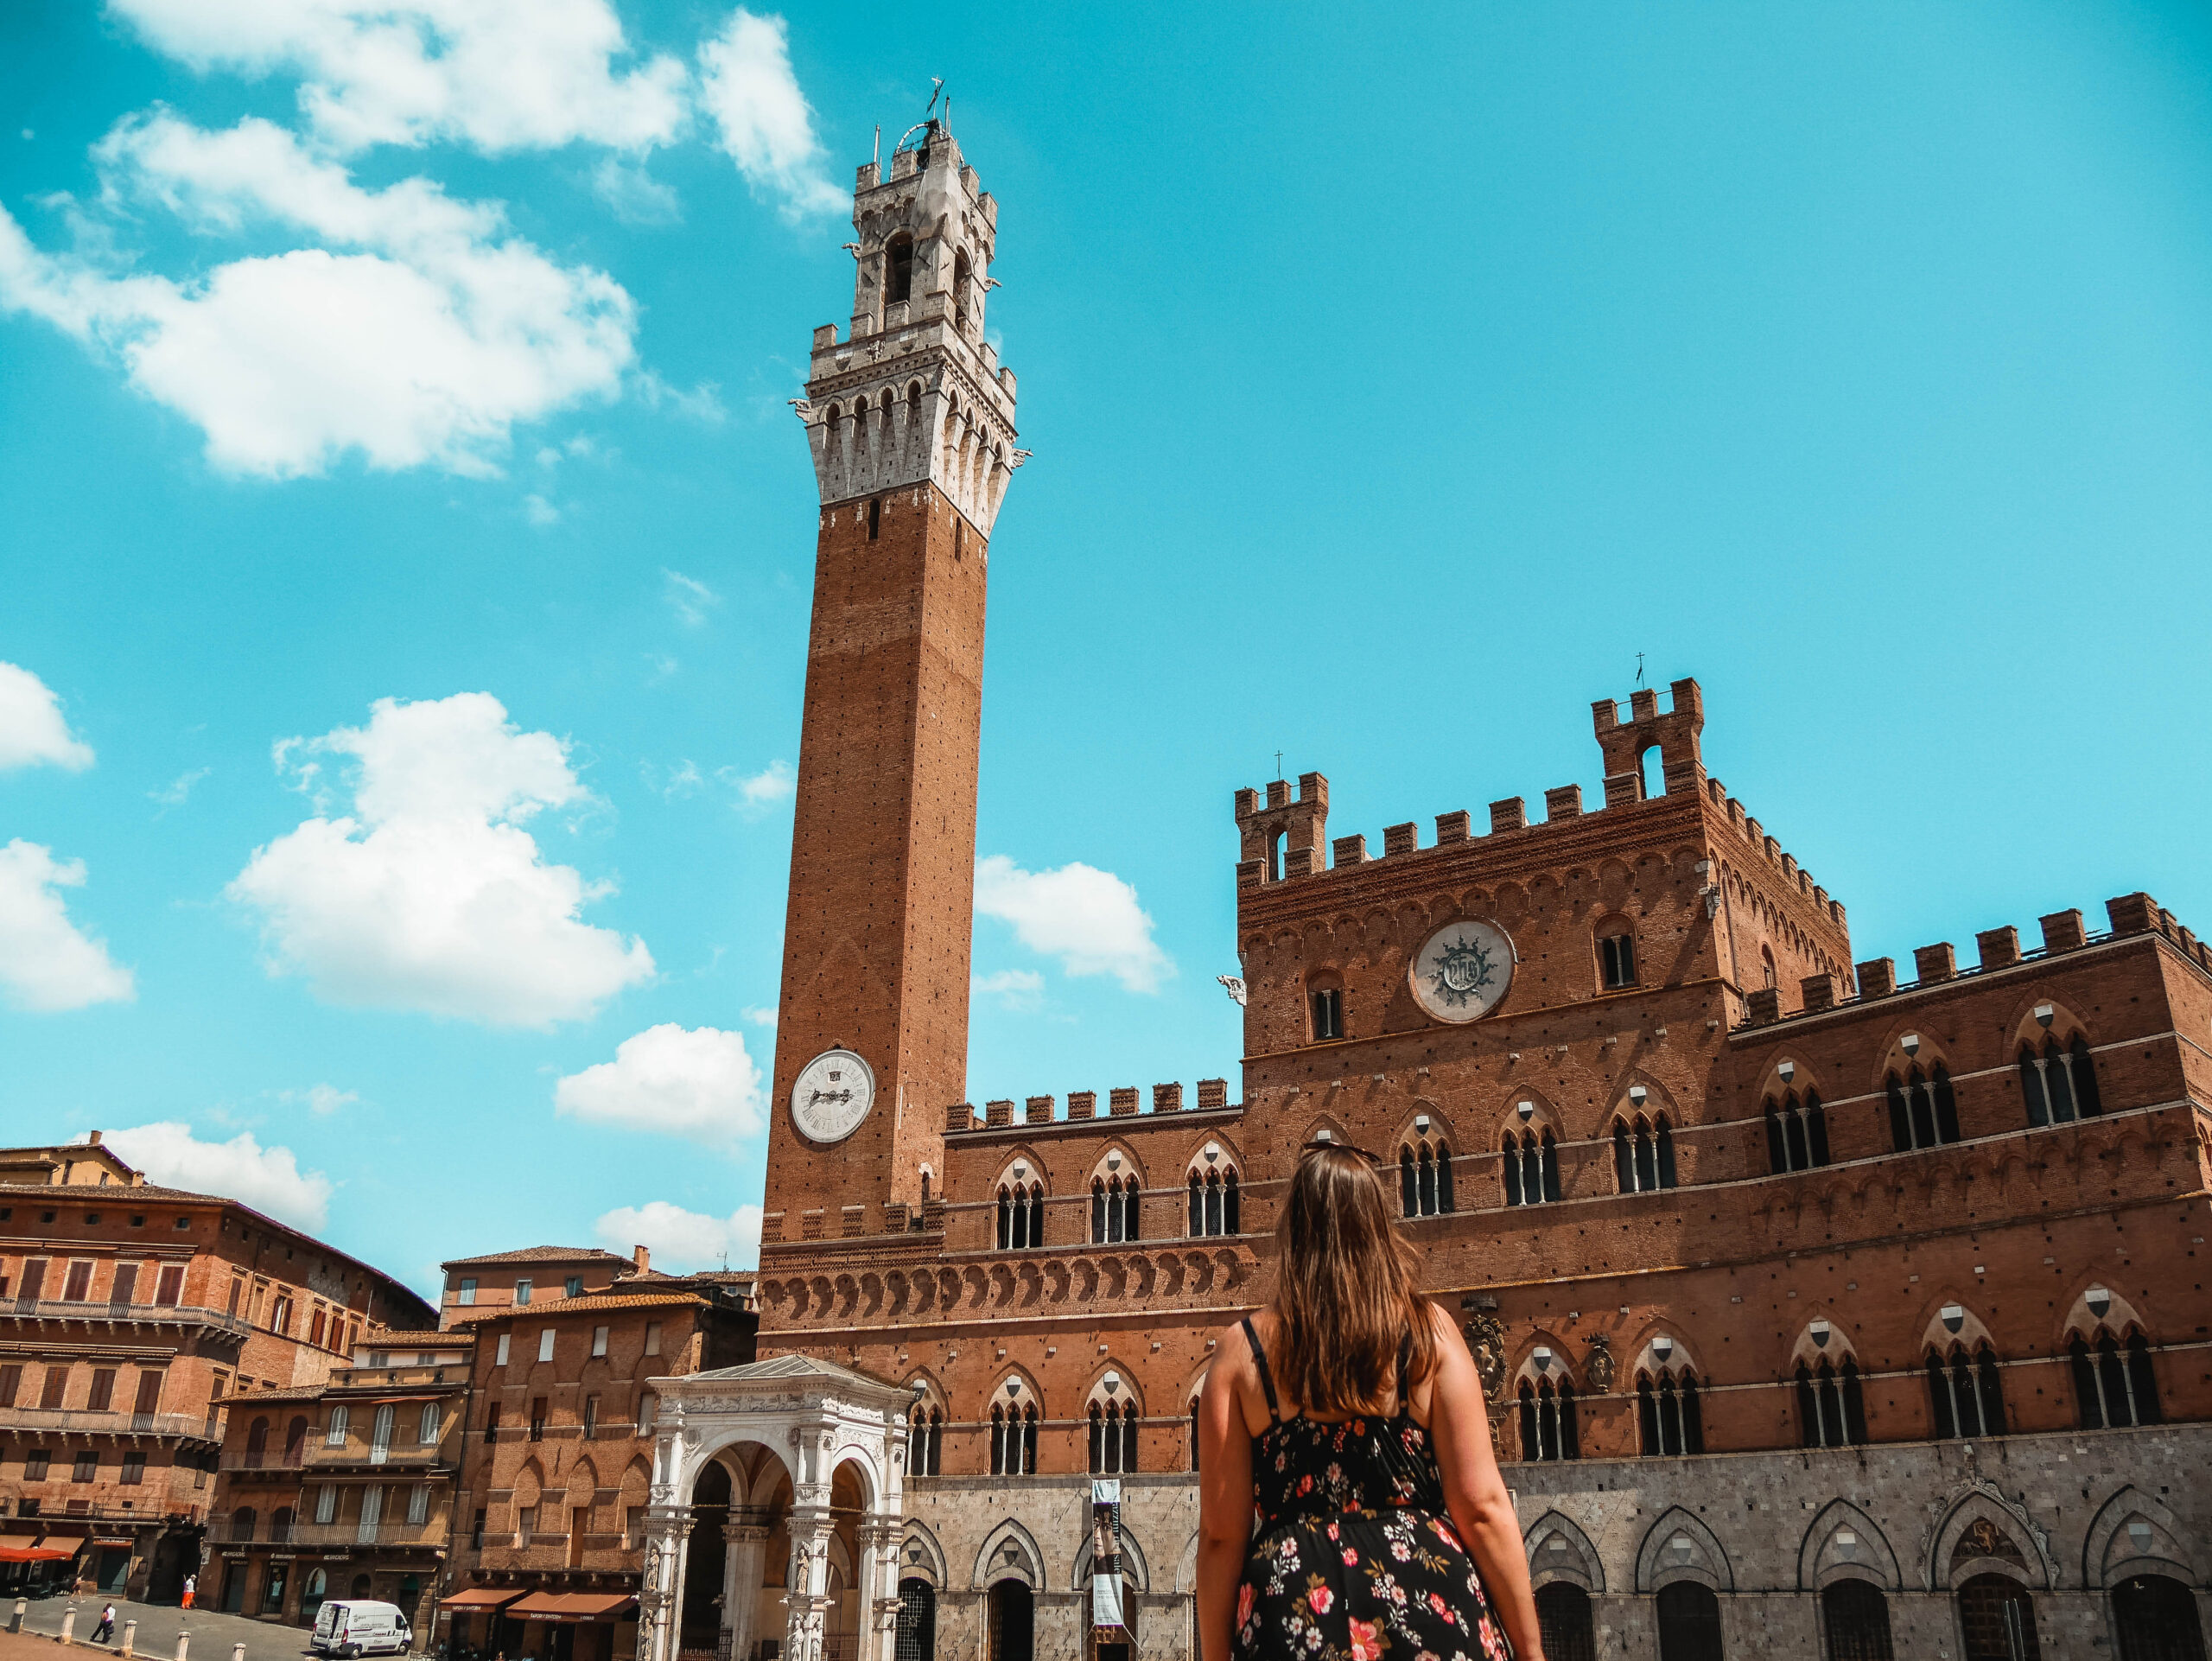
1825 1308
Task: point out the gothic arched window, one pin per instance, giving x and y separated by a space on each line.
1547 1427
1531 1168
2060 1084
898 269
1831 1405
1021 1216
1924 1109
925 1440
1214 1207
1643 1155
1796 1132
1114 1209
1964 1393
1424 1178
1112 1437
1668 1420
2115 1385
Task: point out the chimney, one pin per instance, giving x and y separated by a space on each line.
641 1257
93 1139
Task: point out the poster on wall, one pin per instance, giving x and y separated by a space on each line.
1106 1554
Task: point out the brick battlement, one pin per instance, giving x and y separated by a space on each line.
1211 1096
1284 837
1997 948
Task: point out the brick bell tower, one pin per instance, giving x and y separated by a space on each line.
910 420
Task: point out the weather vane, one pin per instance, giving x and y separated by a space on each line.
1278 764
1639 669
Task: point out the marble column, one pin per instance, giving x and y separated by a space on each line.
660 1589
809 1605
878 1585
747 1545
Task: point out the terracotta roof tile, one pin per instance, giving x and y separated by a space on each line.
539 1254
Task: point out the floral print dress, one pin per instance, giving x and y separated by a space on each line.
1354 1557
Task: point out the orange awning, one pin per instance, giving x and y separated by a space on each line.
572 1606
478 1598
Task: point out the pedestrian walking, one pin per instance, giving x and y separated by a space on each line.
191 1584
1348 1415
105 1630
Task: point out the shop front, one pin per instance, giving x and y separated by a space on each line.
33 1566
475 1625
576 1626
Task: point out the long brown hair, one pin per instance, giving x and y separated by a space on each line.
1345 1288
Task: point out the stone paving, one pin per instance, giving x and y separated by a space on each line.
214 1636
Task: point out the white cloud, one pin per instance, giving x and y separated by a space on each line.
422 343
322 1100
46 963
635 196
430 896
690 598
540 512
759 792
684 1239
748 87
32 727
761 1017
497 75
268 1179
1089 919
1021 989
698 1083
174 793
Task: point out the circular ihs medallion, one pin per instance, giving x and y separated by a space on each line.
1462 970
831 1095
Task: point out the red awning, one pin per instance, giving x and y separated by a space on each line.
479 1598
32 1555
573 1606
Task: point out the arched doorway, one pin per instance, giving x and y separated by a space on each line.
1997 1621
1012 1622
312 1592
1689 1622
1857 1618
704 1566
917 1638
2156 1620
1563 1617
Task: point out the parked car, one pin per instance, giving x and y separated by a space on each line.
348 1628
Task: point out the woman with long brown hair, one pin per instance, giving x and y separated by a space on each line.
1348 1505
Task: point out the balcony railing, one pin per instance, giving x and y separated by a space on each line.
272 1460
432 1533
166 1314
359 1450
84 1419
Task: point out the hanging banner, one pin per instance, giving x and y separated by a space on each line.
1106 1554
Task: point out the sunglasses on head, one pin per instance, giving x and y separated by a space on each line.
1323 1145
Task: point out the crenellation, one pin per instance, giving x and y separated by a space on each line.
1452 828
1400 839
1348 851
1563 803
1083 1103
1123 1100
1878 977
1037 1109
1997 947
1935 962
1511 814
1167 1098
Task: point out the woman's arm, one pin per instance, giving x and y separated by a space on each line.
1224 1492
1475 1493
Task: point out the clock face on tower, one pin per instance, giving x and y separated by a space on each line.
831 1095
1462 970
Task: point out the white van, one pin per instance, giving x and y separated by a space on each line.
347 1627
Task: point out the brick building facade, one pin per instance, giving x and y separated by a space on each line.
1822 1311
130 1315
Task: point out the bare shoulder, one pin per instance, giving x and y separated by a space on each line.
1232 1355
1446 1329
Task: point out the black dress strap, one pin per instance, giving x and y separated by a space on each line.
1266 1378
1405 1362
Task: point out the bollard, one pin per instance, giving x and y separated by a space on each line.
69 1625
130 1638
183 1642
15 1620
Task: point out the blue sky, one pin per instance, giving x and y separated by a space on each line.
401 505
